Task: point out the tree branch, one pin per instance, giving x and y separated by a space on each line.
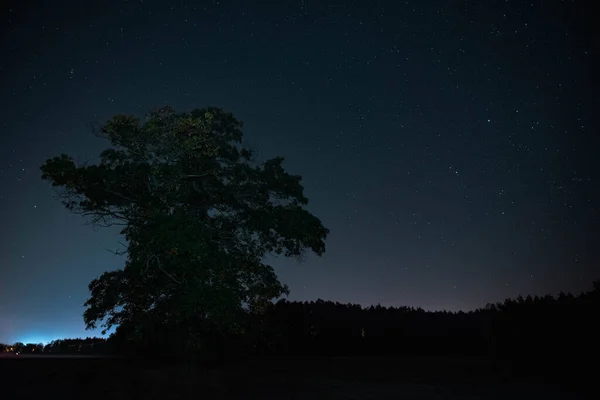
120 195
117 252
159 264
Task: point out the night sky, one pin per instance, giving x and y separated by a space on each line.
452 151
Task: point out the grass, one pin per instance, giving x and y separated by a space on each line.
327 378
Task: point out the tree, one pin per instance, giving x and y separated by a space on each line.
198 214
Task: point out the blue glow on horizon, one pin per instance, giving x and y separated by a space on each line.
45 339
35 339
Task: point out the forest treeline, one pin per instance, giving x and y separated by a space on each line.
545 331
563 326
89 345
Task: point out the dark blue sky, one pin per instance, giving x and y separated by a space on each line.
450 150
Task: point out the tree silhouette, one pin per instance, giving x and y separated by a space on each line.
198 213
547 336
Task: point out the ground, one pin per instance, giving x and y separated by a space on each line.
26 377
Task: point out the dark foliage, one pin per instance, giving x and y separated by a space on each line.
78 346
61 346
539 335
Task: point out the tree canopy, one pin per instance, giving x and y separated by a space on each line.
198 213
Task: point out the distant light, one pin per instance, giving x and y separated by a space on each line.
35 340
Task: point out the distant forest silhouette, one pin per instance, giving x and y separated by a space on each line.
543 333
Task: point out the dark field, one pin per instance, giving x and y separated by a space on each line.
330 378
